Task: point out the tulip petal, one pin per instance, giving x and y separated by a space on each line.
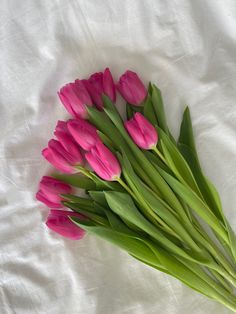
108 85
84 133
98 84
59 222
103 162
75 98
57 161
132 88
141 131
67 141
42 197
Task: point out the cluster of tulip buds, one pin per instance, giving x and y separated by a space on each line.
78 144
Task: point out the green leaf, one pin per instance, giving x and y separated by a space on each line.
215 196
158 258
156 161
89 212
221 280
177 163
105 125
142 250
77 199
193 200
232 239
231 234
77 180
192 275
125 241
184 273
208 191
188 149
116 223
105 185
123 206
160 111
82 222
219 292
159 108
129 111
83 203
99 197
149 112
150 88
156 204
160 268
186 131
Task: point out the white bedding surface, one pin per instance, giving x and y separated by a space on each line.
189 49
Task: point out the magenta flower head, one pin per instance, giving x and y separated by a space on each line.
59 222
142 131
66 139
75 98
60 158
101 83
50 190
103 162
132 88
84 133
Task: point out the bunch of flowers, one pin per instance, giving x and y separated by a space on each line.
144 191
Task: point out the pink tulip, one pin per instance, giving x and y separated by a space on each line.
75 98
60 158
98 84
50 190
142 131
103 162
66 139
59 222
84 133
132 88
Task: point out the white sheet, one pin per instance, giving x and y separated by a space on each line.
189 49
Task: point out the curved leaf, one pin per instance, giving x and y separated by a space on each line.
193 200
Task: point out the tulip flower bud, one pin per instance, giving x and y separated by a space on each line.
59 222
98 84
84 133
66 139
142 131
75 98
60 158
50 190
103 162
132 88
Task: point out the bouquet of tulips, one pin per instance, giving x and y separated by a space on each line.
131 183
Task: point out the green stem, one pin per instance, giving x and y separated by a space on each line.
215 251
221 280
84 171
204 240
153 217
159 154
226 247
221 294
126 187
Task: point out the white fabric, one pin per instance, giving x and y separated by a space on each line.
188 48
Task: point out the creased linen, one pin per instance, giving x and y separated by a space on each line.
188 48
